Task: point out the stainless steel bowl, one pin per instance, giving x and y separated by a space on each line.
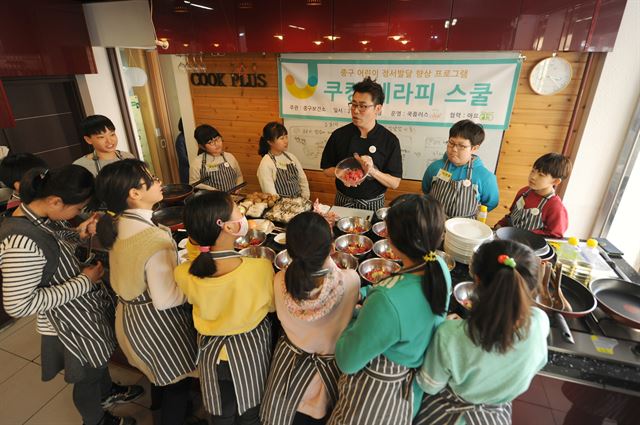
256 236
464 292
382 249
352 243
344 260
448 259
282 260
259 252
382 213
373 264
354 225
380 229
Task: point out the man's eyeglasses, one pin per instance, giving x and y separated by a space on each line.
359 106
457 146
216 139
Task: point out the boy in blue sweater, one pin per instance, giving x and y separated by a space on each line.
459 180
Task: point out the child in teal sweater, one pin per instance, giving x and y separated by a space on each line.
380 348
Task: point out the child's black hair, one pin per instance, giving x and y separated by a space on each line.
201 214
14 166
96 124
72 183
270 133
556 165
500 315
308 244
469 130
372 87
112 188
415 224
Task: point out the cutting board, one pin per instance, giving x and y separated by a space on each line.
352 212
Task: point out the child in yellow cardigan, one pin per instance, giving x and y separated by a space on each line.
231 298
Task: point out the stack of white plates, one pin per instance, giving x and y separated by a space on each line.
463 235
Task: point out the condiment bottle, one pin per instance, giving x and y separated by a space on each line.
482 214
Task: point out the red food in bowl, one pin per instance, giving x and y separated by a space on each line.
254 242
357 229
356 248
353 175
376 275
389 255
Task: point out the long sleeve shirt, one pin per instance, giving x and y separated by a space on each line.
555 219
195 168
267 174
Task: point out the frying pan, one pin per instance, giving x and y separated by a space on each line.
169 216
175 193
619 298
582 303
532 240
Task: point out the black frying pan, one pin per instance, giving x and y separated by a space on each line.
532 240
581 300
169 216
619 298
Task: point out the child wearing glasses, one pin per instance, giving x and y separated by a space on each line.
218 170
459 180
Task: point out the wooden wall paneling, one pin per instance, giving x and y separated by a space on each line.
539 125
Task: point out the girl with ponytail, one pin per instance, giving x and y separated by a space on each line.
478 365
231 297
380 349
153 324
280 172
314 302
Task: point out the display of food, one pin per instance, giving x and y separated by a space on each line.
389 255
353 225
376 269
255 204
356 248
287 208
383 249
357 245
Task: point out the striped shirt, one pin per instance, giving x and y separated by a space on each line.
22 263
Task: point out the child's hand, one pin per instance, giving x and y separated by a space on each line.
453 316
88 227
94 272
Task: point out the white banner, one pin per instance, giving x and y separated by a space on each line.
434 90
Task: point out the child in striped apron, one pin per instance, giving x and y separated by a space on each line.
475 367
314 301
12 168
380 349
42 276
218 169
153 324
231 297
536 207
280 172
459 180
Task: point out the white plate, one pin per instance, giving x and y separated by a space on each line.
468 230
183 243
263 225
281 238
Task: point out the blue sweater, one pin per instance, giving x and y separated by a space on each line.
488 193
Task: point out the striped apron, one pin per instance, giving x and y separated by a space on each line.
458 197
85 324
380 394
528 218
96 160
446 408
165 340
223 176
287 179
374 204
291 372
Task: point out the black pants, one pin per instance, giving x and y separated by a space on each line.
229 404
172 400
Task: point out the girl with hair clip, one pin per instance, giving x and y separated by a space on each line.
280 172
153 325
475 367
42 276
218 170
380 349
314 301
231 297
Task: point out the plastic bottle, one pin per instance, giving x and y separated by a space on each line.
569 255
590 252
569 251
482 214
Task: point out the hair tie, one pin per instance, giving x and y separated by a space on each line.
43 174
507 261
204 248
111 213
430 256
220 223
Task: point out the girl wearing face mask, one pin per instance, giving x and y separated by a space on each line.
231 297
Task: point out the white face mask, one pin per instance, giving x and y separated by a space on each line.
244 225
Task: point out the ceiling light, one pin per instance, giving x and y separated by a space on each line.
185 44
314 2
295 27
216 44
404 41
365 42
279 36
201 6
395 37
331 37
317 42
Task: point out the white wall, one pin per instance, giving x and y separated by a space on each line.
99 97
608 119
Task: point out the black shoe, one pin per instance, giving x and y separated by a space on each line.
109 419
121 394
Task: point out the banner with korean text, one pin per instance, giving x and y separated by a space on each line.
428 90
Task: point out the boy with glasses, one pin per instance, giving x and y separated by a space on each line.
459 180
376 148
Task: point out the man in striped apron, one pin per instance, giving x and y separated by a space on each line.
377 149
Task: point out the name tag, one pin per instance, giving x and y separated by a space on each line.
281 166
444 175
212 167
520 203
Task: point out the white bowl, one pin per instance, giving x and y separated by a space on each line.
468 230
281 238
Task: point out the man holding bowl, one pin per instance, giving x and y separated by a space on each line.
378 161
